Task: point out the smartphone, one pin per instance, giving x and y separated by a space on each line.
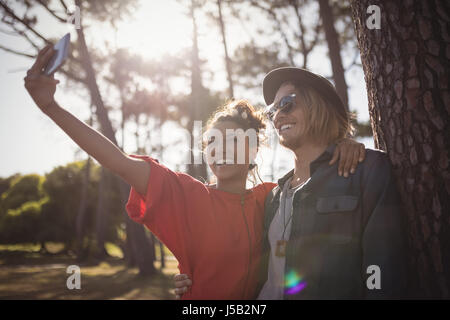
60 56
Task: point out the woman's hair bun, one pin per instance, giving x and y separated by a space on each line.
242 112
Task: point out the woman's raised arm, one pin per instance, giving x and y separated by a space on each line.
42 89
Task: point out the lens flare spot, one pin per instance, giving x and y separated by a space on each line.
293 283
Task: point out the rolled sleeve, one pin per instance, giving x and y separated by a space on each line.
168 209
139 206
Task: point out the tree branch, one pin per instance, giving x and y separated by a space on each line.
63 4
316 35
23 33
304 48
354 62
17 52
279 28
33 56
72 76
52 12
26 24
9 32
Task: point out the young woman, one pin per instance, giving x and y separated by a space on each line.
211 229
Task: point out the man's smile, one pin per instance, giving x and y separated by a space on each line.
283 128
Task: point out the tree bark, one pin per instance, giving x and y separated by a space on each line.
334 49
406 67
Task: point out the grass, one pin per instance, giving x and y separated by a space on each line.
27 274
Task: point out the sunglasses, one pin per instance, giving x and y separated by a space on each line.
285 104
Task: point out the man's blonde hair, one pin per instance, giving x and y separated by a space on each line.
324 123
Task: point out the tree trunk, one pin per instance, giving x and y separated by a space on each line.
334 50
101 215
406 66
135 232
80 220
81 214
162 255
225 48
100 109
196 170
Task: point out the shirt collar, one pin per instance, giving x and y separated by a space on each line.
325 156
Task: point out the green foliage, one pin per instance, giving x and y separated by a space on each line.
251 62
41 209
64 186
22 189
22 224
5 183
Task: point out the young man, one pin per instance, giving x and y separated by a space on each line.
326 236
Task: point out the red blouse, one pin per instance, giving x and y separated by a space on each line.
216 236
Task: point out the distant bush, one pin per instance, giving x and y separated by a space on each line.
22 189
22 224
39 209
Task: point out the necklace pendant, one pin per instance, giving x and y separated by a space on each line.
281 248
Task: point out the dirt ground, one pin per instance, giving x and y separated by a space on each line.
27 274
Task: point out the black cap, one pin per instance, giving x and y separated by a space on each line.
275 78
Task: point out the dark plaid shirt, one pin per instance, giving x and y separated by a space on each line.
340 227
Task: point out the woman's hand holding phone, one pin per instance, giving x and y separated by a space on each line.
40 86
